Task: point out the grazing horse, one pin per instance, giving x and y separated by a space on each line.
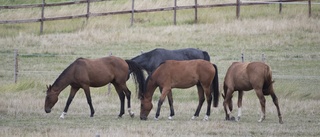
84 73
247 76
152 59
149 61
181 74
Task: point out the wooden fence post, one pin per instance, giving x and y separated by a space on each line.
132 12
16 70
175 12
238 9
109 85
195 11
88 9
42 16
242 57
280 6
309 3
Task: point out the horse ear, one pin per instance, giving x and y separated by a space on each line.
48 87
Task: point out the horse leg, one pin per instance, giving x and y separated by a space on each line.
128 95
170 100
240 95
73 91
121 97
87 92
201 100
227 103
262 103
275 101
161 100
209 100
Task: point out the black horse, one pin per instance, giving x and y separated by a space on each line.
149 61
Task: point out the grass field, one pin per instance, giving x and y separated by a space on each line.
289 41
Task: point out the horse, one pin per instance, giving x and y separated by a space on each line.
149 61
181 74
244 77
84 73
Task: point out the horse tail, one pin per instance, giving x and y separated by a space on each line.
137 74
215 88
267 80
206 56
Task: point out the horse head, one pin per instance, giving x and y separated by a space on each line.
146 101
51 99
145 108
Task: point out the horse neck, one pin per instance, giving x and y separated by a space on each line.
142 61
151 87
61 83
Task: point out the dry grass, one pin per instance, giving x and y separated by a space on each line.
290 42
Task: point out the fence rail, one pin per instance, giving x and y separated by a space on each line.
237 4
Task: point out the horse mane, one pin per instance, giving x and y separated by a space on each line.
141 92
148 54
162 63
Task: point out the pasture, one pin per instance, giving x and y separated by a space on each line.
290 42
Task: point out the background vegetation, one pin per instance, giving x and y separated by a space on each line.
289 41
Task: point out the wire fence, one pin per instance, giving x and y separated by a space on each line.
48 67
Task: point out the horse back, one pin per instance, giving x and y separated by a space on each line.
152 59
184 74
266 78
99 72
247 76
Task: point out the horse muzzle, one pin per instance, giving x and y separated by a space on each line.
143 118
47 110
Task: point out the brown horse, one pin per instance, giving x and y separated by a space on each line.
247 76
84 73
181 74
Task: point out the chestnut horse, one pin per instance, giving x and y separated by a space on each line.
84 73
181 74
244 77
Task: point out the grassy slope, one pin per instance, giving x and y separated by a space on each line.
290 42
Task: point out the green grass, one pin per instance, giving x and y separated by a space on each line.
289 41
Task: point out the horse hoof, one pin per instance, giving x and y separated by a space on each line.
206 118
281 122
238 119
194 117
260 120
156 119
62 115
170 117
132 115
232 119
